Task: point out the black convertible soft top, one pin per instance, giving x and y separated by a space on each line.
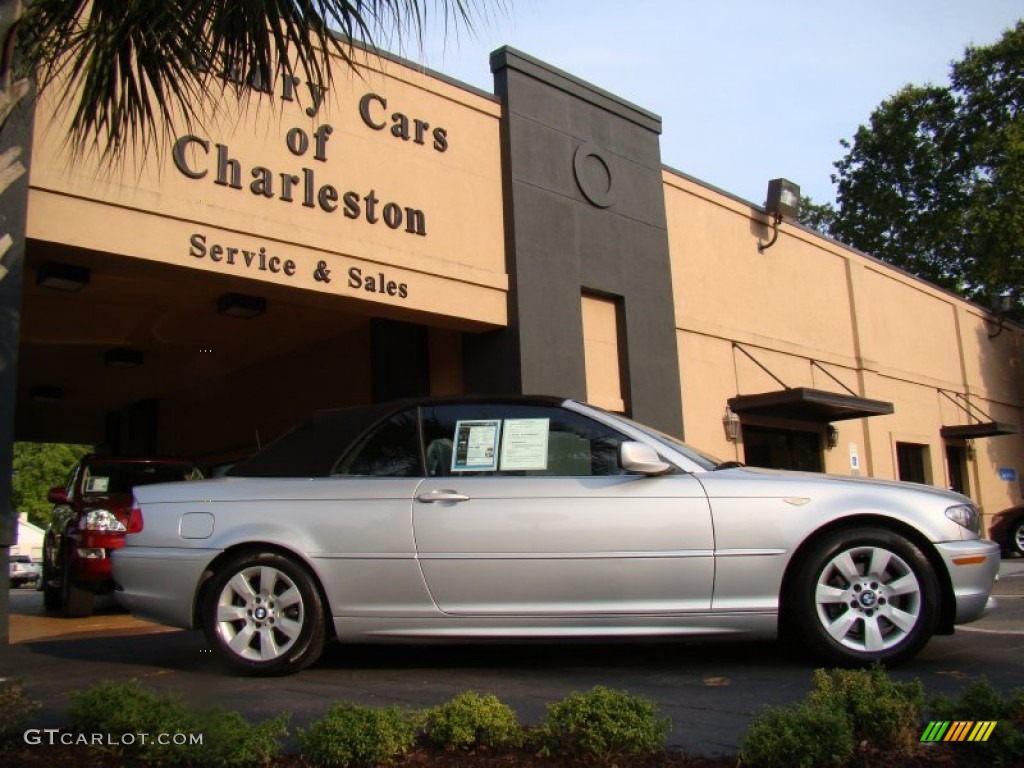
313 447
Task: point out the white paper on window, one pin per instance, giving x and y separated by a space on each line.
524 444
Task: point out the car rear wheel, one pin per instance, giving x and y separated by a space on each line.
263 614
865 595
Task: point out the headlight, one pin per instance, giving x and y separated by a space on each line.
967 516
101 520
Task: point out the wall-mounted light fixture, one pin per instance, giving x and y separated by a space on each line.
782 201
241 305
47 394
62 277
831 436
731 422
123 358
1000 308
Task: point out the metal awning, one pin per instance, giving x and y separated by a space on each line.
805 404
983 429
988 427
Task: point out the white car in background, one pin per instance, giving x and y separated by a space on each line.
24 571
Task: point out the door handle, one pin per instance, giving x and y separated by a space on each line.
442 494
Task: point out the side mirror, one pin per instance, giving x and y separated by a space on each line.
642 459
57 495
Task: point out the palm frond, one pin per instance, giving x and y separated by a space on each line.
130 71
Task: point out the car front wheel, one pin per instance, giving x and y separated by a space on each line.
52 598
1017 537
865 595
263 614
75 602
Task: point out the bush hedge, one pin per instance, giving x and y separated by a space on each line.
850 717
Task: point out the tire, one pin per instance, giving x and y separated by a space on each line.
76 603
52 598
263 615
1016 537
863 596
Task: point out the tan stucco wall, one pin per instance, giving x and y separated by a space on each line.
154 211
883 334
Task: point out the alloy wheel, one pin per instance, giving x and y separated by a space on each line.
260 613
868 598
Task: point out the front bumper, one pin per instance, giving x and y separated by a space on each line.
973 568
160 583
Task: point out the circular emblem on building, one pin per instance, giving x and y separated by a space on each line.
593 172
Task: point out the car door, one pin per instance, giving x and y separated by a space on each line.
526 512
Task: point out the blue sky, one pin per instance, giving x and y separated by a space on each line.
748 90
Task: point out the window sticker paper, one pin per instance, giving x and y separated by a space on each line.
476 445
524 444
98 485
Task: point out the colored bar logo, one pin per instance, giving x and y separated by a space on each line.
958 730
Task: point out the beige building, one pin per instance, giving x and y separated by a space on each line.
811 313
402 234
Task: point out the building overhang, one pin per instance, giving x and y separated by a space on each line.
813 405
973 431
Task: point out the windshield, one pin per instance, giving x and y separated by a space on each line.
107 477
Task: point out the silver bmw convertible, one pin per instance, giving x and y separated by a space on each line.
540 518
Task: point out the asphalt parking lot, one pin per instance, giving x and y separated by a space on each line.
711 691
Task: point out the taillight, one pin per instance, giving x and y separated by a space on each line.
134 518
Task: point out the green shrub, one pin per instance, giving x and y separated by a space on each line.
980 702
123 710
15 709
231 740
473 720
353 735
802 735
158 727
602 724
884 713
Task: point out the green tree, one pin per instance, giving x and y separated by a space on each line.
934 184
37 468
819 217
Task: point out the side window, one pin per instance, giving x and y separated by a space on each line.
517 439
391 449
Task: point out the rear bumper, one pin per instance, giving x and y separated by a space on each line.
89 553
160 583
973 568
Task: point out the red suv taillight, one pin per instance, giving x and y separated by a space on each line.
134 519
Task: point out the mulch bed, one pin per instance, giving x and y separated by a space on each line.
933 756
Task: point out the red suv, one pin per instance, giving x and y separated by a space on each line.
90 518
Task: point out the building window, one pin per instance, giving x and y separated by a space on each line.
956 464
603 352
912 462
782 449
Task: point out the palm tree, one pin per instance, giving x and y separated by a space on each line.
125 68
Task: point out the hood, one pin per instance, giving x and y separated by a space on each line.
786 479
